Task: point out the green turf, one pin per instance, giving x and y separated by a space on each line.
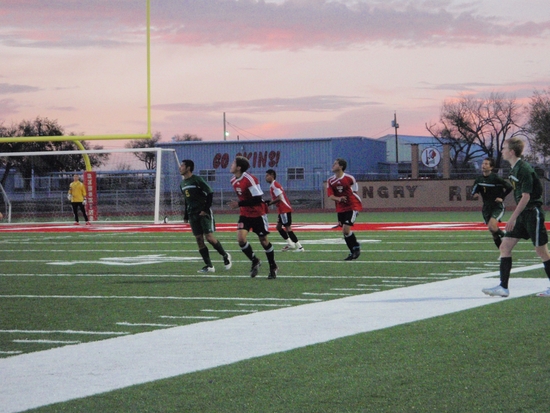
489 359
438 216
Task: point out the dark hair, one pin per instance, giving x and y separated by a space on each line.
242 163
189 163
342 162
491 161
271 172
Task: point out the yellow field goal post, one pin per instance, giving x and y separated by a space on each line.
5 192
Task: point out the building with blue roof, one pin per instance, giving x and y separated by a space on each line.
301 164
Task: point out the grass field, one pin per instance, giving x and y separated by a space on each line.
67 288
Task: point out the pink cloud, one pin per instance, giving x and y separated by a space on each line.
272 105
292 24
299 24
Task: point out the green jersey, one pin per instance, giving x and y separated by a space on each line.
491 187
198 195
524 179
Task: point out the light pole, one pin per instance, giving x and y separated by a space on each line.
224 128
395 125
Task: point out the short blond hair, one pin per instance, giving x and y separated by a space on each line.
516 145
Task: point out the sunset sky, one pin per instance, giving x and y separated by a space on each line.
277 68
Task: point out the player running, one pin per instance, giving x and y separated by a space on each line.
253 215
493 189
342 189
198 202
284 211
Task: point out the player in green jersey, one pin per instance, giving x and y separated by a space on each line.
198 201
527 220
493 189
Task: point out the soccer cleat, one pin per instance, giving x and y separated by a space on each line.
497 291
301 249
76 223
273 273
349 257
544 294
88 223
355 253
206 269
256 264
289 248
227 261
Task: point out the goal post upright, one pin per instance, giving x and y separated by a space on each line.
157 186
149 131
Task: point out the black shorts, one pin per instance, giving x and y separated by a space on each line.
258 225
202 224
347 218
494 210
285 219
530 225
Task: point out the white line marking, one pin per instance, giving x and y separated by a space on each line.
99 333
64 373
188 316
124 297
352 289
47 341
265 305
207 310
397 281
209 276
125 323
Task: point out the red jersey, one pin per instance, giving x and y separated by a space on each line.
345 186
246 187
276 189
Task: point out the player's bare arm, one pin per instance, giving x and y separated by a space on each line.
276 200
525 198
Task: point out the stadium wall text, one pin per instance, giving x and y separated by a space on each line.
418 195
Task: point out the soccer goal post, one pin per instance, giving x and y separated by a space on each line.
140 185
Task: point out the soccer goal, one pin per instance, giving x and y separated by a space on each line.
140 185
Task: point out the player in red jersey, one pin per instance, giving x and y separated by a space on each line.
253 215
284 211
342 189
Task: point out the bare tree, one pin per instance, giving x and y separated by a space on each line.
186 137
538 124
148 158
476 127
42 165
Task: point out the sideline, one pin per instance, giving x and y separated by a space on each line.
170 227
75 371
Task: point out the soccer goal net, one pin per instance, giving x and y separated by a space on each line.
124 185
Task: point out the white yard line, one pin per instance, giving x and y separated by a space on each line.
40 378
